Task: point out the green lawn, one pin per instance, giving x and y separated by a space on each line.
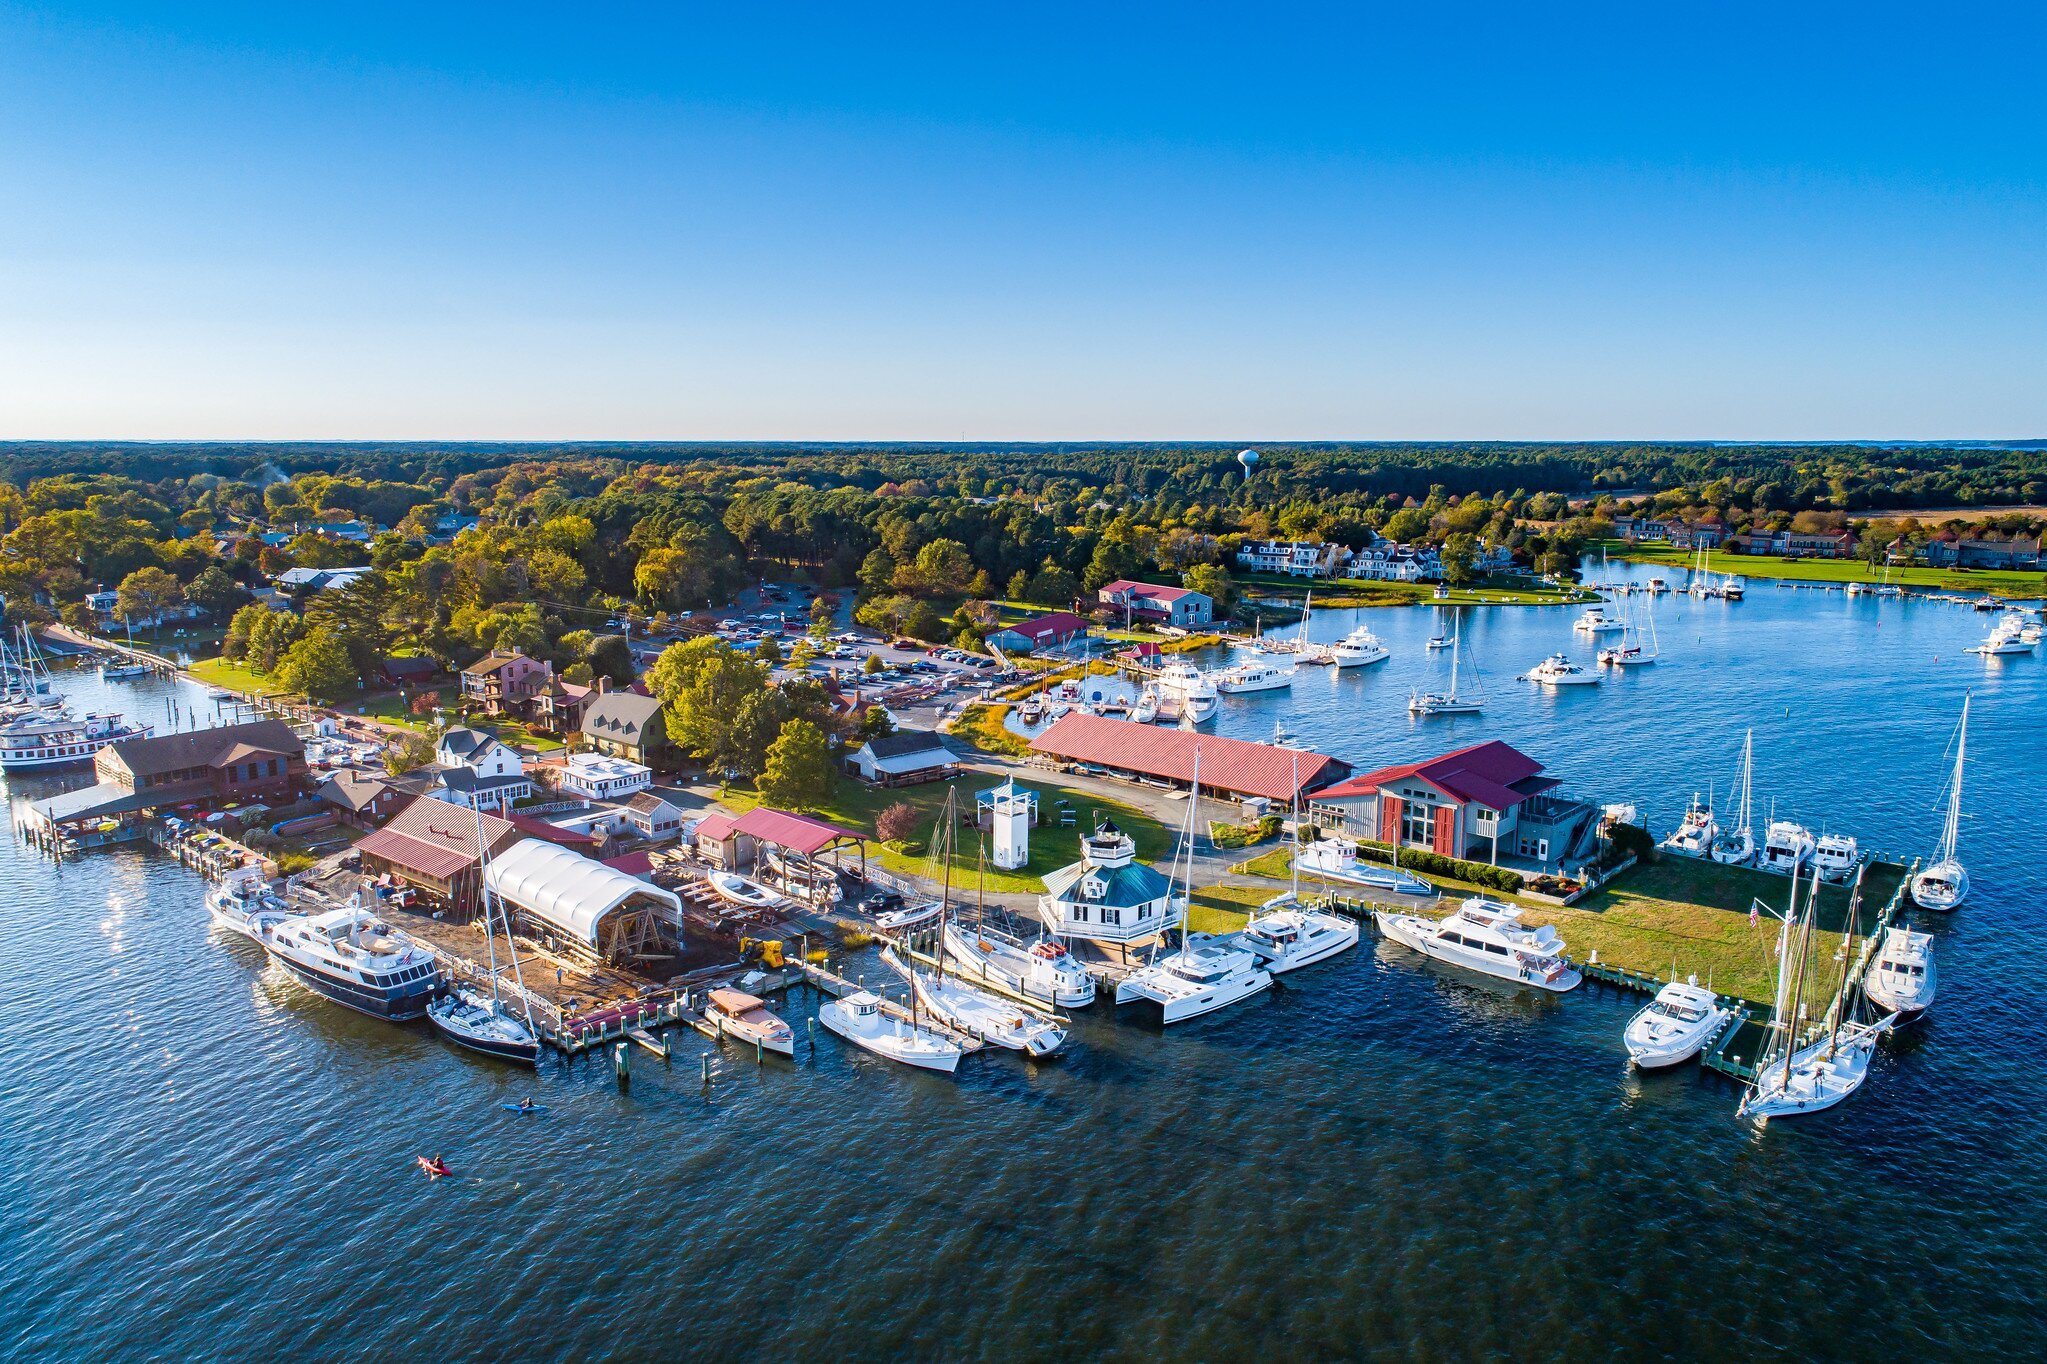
1972 580
854 806
1511 589
218 672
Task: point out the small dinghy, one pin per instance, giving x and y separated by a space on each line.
736 889
858 1018
434 1166
975 1011
1675 1026
745 1018
906 916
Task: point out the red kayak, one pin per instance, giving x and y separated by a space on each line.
434 1168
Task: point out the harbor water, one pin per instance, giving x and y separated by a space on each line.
198 1159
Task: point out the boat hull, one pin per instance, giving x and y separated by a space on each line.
783 1045
1943 896
400 1005
1815 1084
834 1019
1408 932
1341 940
525 1053
1175 1008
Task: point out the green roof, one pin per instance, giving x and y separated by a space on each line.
1128 886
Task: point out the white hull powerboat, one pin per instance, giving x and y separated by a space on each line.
1559 671
1285 935
1338 860
1836 855
1787 847
1488 937
1204 975
1902 978
1675 1026
747 1019
1595 621
1248 678
243 902
858 1018
1695 833
1196 693
1359 648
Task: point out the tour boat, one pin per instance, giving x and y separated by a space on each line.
859 1019
1945 882
1901 979
1197 694
978 1013
1487 937
243 902
1695 834
1735 845
1245 678
1203 975
59 740
1449 702
1285 935
1358 648
744 1018
1595 621
1836 855
1338 860
1559 671
481 1022
1044 970
1786 846
352 957
1675 1026
736 889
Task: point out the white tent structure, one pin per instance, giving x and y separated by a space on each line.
581 906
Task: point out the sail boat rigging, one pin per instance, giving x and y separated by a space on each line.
1284 934
1450 702
1735 844
1945 882
469 1018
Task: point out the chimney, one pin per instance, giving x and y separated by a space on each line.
603 685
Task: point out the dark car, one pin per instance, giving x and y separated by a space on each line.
881 902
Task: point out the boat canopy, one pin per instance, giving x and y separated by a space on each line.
565 889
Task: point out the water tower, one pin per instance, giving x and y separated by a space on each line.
1249 459
1010 816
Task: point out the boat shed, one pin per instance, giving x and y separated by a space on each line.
582 908
907 757
1163 756
433 845
797 835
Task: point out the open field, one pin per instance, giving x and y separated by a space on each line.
1498 590
1981 580
854 806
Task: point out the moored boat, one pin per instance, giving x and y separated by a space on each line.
1246 678
1696 832
1675 1026
1338 860
978 1013
1488 937
746 1018
1043 970
42 738
243 902
352 957
479 1021
1787 847
1944 884
859 1019
1559 671
1901 976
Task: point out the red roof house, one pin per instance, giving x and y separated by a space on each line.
1151 601
1454 804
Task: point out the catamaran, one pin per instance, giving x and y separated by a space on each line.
1792 1079
1286 934
1945 882
1735 846
1450 702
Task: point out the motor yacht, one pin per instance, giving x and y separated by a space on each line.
51 737
111 671
1901 979
1197 694
1245 678
1786 846
1944 884
1147 708
1675 1026
355 959
1204 974
859 1019
1359 648
1836 856
1487 937
243 902
480 1021
1286 935
1043 971
1337 859
1595 621
1559 671
746 1018
1696 832
2006 637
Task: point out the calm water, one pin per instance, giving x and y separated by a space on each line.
199 1160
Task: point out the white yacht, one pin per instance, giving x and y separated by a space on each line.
1285 935
2006 637
1488 937
1559 671
1196 693
746 1018
859 1019
243 902
1901 979
1203 975
1675 1026
978 1013
353 958
1255 676
1043 970
1147 708
1439 641
1695 834
1836 855
1786 846
1358 648
1338 860
1595 621
1945 882
53 738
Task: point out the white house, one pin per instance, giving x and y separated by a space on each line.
601 777
476 771
1109 895
653 818
1295 558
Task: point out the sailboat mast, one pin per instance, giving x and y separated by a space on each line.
1296 892
1847 957
1951 838
1193 814
1812 899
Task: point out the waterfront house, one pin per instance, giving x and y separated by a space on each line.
257 760
1988 550
504 681
627 725
1049 631
1291 558
1483 802
363 800
1790 544
1180 607
477 771
904 758
599 776
1109 896
433 845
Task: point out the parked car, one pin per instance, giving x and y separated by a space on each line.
881 902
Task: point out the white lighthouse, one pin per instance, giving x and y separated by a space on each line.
1010 815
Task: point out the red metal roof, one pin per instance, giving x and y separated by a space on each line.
1488 773
1155 751
717 827
438 861
1138 589
1049 626
797 833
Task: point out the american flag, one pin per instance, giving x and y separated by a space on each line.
1754 917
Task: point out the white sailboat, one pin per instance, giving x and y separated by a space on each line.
1735 845
1637 646
477 1019
1792 1079
1945 882
1451 702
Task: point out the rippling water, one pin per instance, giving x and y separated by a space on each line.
200 1160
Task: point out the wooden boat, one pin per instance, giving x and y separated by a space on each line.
736 889
745 1018
858 1018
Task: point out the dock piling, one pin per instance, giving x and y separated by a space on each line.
622 1065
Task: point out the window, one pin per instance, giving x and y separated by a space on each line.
273 767
1112 916
1079 913
1418 824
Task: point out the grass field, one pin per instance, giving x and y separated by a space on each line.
1973 580
854 806
218 672
1499 590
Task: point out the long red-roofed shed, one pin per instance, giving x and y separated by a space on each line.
1228 766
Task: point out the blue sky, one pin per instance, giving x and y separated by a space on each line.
1022 222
